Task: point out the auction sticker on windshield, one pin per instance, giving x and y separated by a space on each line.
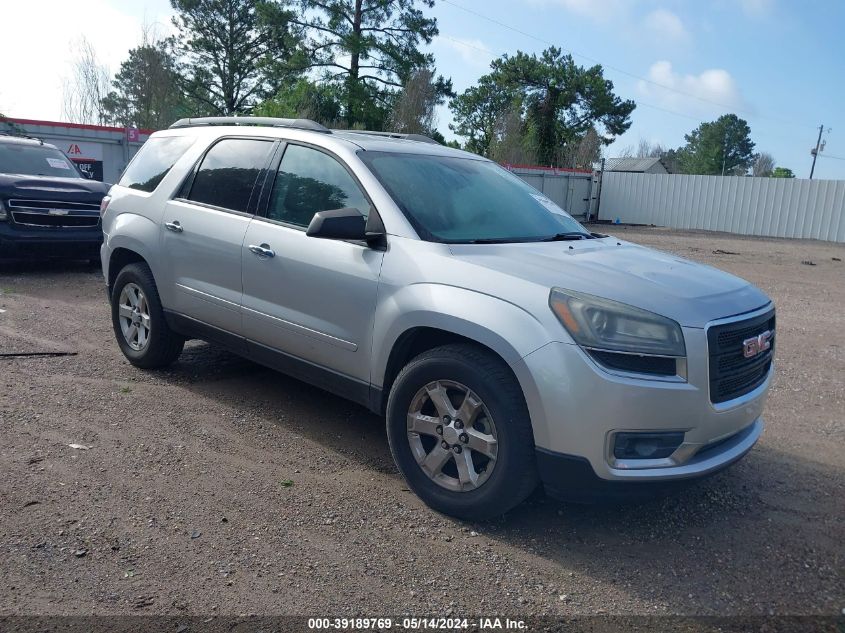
58 163
546 202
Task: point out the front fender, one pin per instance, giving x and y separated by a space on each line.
507 329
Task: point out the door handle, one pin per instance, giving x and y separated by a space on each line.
263 250
174 226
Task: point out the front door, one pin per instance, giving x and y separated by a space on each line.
312 299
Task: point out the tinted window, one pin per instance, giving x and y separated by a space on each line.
35 160
228 172
311 181
453 199
153 161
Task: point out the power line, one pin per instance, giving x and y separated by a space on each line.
615 68
639 103
467 44
668 111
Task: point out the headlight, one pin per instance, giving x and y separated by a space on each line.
602 324
2 211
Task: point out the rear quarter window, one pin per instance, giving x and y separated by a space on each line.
153 161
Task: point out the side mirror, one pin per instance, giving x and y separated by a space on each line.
338 224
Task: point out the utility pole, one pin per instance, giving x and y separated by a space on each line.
815 151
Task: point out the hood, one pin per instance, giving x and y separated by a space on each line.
691 294
50 188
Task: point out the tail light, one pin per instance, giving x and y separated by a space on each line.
104 204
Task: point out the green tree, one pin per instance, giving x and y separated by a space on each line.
558 101
368 48
723 146
304 99
562 100
231 51
478 112
782 172
146 90
671 159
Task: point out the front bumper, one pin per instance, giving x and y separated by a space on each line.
578 407
20 243
572 478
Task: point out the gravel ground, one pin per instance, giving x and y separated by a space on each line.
220 487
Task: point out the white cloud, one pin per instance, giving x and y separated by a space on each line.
713 85
473 52
666 25
37 53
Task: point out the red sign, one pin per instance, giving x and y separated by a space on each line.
133 135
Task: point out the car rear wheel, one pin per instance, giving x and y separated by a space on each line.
138 320
460 432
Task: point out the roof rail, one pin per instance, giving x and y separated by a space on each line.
408 137
302 124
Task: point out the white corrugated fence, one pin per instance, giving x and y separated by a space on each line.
571 190
775 207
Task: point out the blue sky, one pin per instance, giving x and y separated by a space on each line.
780 64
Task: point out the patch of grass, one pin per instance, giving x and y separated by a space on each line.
126 389
287 483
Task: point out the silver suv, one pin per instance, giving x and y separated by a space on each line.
505 343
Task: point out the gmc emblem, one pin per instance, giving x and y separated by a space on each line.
755 345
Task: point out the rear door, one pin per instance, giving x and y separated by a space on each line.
313 299
203 230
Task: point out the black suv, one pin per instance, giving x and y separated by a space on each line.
47 207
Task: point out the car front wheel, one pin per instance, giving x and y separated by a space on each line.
460 432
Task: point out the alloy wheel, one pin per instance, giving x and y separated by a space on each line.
134 316
452 435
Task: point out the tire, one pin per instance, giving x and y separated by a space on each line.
497 484
160 346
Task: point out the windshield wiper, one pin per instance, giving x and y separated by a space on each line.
565 237
493 240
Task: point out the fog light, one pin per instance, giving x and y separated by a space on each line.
646 445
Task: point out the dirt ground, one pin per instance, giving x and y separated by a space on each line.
221 487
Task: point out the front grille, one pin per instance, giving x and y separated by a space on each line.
732 374
54 213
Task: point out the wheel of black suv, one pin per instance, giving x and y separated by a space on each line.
138 320
460 432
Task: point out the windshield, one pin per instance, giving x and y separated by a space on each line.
35 160
451 199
